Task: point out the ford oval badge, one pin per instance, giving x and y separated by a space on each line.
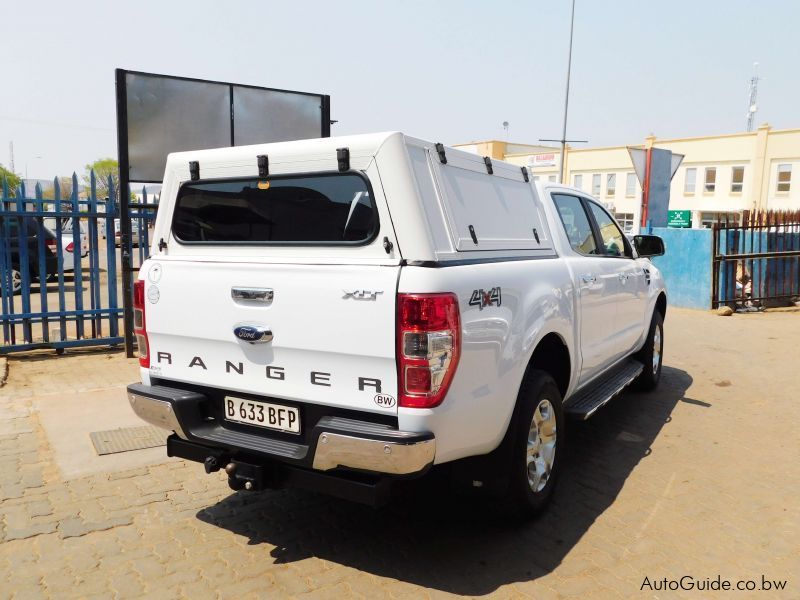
253 334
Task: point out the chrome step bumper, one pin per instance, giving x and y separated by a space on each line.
395 458
333 442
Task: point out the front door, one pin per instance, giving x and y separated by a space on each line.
596 284
631 295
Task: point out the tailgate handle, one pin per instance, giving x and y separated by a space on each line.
249 293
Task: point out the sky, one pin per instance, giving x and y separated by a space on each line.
442 70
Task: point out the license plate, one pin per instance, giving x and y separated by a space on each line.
262 414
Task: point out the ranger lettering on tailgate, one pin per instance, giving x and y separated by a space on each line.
273 372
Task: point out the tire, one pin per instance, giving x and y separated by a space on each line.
651 355
537 445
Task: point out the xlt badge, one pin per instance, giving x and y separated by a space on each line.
361 294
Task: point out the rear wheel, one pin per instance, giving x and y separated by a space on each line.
651 355
537 443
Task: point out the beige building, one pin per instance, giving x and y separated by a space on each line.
720 175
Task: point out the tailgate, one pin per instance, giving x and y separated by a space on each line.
333 329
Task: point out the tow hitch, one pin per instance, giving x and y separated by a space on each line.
242 475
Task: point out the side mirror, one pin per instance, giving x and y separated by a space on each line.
648 245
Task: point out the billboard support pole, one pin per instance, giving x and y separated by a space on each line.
646 188
326 116
124 210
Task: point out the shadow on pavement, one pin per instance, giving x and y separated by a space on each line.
455 543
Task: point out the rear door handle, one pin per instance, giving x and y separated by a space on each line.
264 295
623 277
588 278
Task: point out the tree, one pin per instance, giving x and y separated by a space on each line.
65 187
103 167
12 178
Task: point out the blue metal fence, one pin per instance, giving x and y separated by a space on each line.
59 279
757 262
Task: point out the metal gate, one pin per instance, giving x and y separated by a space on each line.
59 284
756 262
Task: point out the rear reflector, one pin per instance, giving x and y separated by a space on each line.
428 347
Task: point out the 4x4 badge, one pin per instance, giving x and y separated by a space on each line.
481 298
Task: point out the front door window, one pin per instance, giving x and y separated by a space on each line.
612 238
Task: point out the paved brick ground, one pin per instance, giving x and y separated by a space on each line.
700 479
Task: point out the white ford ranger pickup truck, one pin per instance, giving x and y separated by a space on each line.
340 313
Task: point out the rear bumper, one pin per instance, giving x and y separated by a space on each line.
334 442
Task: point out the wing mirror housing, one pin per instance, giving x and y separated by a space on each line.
648 246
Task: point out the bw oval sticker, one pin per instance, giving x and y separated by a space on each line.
384 400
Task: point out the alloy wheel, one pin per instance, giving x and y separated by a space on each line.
541 447
656 349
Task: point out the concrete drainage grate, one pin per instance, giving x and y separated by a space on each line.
127 439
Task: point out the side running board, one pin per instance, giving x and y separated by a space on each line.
583 404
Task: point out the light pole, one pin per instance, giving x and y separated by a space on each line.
562 174
562 168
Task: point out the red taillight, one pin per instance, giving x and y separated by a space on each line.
428 347
139 325
70 247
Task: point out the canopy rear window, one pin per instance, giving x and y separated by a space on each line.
325 209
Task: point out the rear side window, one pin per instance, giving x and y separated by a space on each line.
328 209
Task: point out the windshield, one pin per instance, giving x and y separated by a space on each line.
327 209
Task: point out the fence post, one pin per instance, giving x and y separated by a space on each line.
60 248
44 273
76 256
6 283
94 258
111 258
24 261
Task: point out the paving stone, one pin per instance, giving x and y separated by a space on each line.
261 587
28 532
652 486
79 527
127 585
28 592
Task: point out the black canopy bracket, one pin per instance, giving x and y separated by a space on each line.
343 156
263 165
488 162
440 151
194 170
473 235
525 177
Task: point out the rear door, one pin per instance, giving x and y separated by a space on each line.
230 305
